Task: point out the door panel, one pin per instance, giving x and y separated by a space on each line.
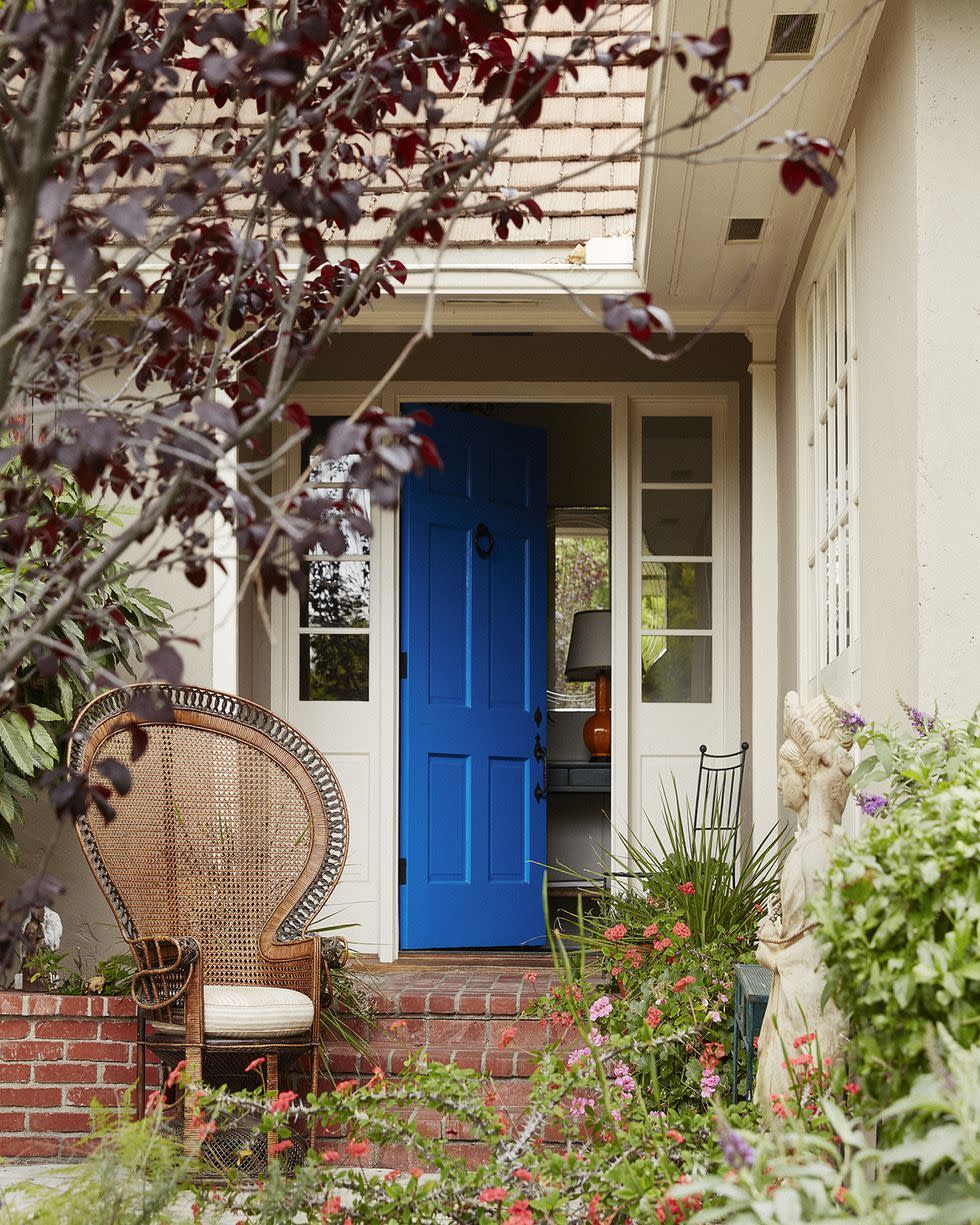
474 634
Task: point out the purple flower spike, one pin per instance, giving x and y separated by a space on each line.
871 805
736 1150
851 721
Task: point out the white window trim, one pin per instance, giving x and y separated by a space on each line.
841 675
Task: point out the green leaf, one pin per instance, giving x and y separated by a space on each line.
19 747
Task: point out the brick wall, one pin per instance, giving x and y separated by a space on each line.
57 1054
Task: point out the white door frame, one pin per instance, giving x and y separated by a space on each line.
338 397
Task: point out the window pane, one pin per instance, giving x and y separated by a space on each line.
333 667
581 554
675 669
677 522
676 450
324 471
354 542
337 595
676 595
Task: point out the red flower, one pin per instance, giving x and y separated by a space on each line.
282 1101
683 982
615 933
507 1037
330 1154
524 1175
673 1134
687 888
357 1148
279 1147
653 1017
651 930
681 930
852 1087
803 1040
520 1213
530 977
176 1074
492 1195
330 1207
255 1063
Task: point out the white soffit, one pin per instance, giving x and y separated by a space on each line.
685 209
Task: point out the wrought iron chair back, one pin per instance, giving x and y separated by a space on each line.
718 799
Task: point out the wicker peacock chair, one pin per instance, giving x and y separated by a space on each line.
231 838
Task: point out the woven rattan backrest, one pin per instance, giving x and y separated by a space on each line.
234 829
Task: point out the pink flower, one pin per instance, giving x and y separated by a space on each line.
687 888
651 930
681 930
576 1057
492 1195
653 1017
683 982
597 1038
255 1063
530 977
578 1106
615 933
601 1008
715 1016
279 1147
507 1037
709 1083
357 1148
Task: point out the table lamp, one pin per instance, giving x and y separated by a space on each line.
590 658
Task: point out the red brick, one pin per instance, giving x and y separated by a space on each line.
473 1154
96 1005
15 1073
14 1027
452 1031
68 1028
31 1051
500 1063
39 1005
29 1146
11 1121
426 1122
411 1002
393 1157
120 1030
83 1095
124 1074
442 1002
30 1095
469 1059
343 1063
471 1004
78 1123
503 1004
526 1062
100 1052
528 1037
512 1093
439 1054
66 1073
11 1003
74 1005
120 1006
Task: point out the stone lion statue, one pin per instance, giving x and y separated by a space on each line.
814 766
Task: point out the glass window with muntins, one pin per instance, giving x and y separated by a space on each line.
676 498
335 600
832 555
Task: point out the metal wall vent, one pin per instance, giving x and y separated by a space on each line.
744 229
792 36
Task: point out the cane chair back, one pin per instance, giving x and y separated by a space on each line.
718 799
233 834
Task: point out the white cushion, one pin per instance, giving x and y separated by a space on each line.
252 1012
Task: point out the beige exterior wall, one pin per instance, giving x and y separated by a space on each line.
917 264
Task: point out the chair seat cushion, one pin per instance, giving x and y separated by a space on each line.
252 1012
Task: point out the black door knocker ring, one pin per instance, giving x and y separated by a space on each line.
483 539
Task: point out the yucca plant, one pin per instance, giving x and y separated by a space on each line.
690 871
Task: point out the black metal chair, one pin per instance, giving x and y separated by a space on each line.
718 799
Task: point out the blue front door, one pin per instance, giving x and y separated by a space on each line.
473 688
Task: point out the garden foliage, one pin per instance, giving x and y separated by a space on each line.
900 919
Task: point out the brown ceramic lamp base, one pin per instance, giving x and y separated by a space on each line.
597 732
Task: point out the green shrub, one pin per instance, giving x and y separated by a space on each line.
900 918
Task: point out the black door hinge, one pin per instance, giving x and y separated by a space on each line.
402 870
403 665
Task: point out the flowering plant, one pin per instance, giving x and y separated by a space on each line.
899 921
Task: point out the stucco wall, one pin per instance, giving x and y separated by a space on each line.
913 119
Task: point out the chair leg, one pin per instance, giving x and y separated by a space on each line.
314 1089
192 1074
272 1086
140 1064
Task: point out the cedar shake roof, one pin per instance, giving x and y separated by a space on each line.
589 118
